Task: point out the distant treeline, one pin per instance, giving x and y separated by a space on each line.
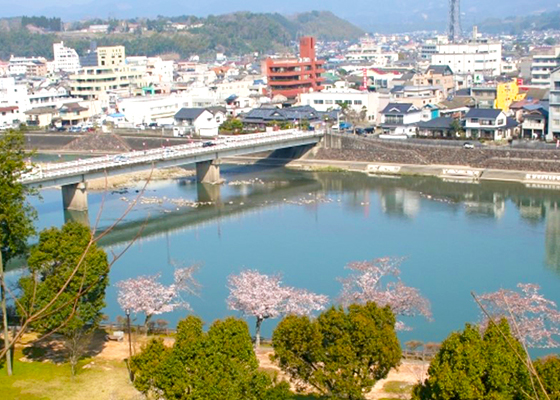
50 24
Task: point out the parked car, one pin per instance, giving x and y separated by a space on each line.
468 145
61 129
153 125
75 129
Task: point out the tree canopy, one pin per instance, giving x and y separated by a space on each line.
16 214
218 364
66 261
340 354
476 365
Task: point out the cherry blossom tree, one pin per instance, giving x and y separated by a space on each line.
263 296
534 320
147 295
365 284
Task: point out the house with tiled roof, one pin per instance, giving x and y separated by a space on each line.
203 122
399 117
490 124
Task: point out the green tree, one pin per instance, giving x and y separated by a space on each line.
472 365
218 364
341 353
232 125
457 128
548 369
16 215
68 275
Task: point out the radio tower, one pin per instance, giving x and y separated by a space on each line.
454 20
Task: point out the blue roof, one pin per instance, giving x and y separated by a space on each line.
116 115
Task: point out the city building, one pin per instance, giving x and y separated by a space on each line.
535 123
544 60
9 116
28 66
147 109
357 100
477 56
73 114
419 96
65 58
554 107
293 76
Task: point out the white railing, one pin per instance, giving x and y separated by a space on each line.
79 167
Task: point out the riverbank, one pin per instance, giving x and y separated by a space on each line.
538 179
127 180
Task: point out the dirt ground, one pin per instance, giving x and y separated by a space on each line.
108 356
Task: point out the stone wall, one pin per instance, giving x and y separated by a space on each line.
352 148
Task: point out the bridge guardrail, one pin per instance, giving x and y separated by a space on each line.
172 152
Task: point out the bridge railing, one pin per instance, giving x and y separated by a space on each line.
172 152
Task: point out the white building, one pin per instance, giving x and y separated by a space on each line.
157 70
9 116
327 100
543 62
202 122
368 51
554 109
483 58
65 58
13 94
143 110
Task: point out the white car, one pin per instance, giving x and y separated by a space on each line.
468 145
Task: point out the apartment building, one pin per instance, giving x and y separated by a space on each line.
293 76
65 58
327 100
544 60
554 108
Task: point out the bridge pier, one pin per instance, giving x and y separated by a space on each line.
77 216
74 197
208 172
207 193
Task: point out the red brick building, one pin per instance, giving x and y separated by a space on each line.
290 77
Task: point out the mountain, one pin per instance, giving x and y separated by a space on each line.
370 15
234 34
514 25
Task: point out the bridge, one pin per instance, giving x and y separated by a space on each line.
72 176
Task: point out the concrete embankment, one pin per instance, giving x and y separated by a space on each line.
445 172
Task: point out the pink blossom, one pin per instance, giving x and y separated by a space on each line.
263 296
366 285
533 319
147 295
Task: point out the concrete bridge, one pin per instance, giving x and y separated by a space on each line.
73 176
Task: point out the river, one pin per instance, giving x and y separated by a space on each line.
457 237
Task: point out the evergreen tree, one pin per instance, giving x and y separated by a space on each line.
68 275
472 365
342 353
218 364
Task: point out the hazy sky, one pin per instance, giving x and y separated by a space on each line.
365 13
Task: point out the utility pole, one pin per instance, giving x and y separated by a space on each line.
5 319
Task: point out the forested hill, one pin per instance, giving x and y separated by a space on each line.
515 25
233 34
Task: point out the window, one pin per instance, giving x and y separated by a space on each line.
474 120
328 101
358 102
318 101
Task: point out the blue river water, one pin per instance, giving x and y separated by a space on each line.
457 237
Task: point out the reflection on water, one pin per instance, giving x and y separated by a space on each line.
458 236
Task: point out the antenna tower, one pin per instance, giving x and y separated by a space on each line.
454 30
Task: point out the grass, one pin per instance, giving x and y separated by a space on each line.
44 380
397 387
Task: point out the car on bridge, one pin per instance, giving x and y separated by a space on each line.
120 158
208 144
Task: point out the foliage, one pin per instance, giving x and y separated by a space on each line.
365 285
535 320
341 353
263 296
218 364
236 34
232 125
145 294
548 370
475 365
51 262
68 275
16 215
52 24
